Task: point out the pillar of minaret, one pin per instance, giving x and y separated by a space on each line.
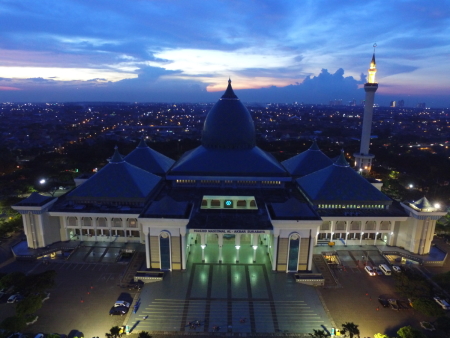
363 159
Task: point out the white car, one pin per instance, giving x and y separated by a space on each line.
13 299
442 303
370 271
396 268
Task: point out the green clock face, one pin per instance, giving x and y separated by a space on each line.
228 204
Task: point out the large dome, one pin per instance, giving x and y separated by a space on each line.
228 124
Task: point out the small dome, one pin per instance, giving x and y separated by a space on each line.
228 124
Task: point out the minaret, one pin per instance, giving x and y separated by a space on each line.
363 160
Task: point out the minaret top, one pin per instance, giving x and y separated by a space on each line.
373 67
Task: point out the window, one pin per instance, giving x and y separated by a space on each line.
215 204
241 204
72 221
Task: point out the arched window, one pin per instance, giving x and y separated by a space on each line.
72 221
294 249
164 250
86 221
101 222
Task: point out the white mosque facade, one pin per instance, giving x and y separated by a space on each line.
227 195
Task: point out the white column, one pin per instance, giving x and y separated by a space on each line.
41 230
147 246
124 228
237 242
275 252
183 249
79 227
109 224
332 230
311 253
220 242
94 226
346 237
360 238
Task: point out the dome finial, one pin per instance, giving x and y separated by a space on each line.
116 158
341 161
229 93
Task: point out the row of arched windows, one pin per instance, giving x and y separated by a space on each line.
102 222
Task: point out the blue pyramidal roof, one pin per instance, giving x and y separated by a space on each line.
235 162
148 159
339 183
118 180
307 162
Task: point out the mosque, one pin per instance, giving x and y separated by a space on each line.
228 195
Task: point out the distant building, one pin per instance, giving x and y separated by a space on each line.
393 104
421 105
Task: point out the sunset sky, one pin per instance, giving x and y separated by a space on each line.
310 51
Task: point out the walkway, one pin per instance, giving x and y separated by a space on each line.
222 294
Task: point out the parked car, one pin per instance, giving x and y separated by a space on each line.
39 335
383 302
393 304
118 311
396 268
378 271
370 271
442 303
14 298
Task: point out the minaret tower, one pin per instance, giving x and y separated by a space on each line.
363 160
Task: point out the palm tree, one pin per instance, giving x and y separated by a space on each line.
114 332
144 334
319 334
351 328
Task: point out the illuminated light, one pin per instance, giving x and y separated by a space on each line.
237 247
203 246
42 181
255 247
437 206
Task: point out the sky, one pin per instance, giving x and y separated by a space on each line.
310 51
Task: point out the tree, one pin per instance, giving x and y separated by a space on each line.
351 328
14 278
315 334
428 307
29 305
114 332
14 324
380 335
410 332
144 334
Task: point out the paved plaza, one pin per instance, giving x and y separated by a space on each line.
237 298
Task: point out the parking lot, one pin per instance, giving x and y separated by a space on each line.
80 301
356 298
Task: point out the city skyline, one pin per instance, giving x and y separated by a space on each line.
145 51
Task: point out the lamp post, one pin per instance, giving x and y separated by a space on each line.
254 253
203 246
237 253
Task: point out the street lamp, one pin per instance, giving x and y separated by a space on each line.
437 206
254 253
203 246
237 253
42 181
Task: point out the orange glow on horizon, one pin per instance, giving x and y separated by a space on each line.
9 88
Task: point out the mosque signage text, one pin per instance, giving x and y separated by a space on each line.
221 231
